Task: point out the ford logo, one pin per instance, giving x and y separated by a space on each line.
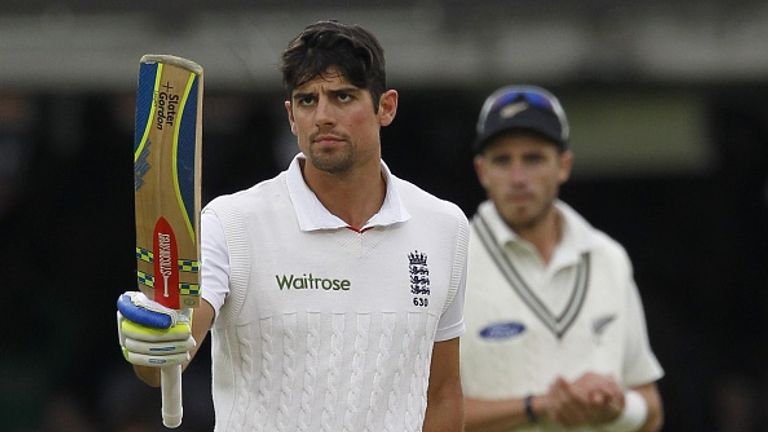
502 330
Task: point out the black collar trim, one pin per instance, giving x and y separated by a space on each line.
558 325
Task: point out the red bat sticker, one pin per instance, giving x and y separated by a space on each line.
166 270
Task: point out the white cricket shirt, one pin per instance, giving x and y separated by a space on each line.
528 322
320 327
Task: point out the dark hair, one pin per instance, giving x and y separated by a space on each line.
350 48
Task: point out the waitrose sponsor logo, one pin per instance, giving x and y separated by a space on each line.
309 281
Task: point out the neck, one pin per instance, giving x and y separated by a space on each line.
353 196
544 235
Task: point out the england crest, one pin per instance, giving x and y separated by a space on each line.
419 273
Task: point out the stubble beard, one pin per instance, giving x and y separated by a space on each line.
332 161
520 223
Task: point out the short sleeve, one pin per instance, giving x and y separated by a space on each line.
640 364
451 324
215 260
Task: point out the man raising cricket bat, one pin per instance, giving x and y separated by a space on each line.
334 291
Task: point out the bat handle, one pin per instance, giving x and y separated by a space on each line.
170 386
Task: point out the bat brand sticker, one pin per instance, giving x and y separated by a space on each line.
167 106
166 270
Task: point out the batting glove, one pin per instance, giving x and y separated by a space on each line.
151 334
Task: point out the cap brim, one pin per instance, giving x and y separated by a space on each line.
539 125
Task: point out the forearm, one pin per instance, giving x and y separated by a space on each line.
149 375
498 415
445 414
655 416
445 401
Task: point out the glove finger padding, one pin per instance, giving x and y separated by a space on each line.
153 360
147 346
159 348
130 329
152 335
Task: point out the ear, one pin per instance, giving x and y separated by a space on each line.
387 107
479 164
566 164
291 120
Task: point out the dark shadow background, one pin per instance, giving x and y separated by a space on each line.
699 244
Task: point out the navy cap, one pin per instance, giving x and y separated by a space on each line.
522 107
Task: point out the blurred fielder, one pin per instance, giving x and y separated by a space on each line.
556 336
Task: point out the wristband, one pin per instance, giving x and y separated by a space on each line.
633 415
528 404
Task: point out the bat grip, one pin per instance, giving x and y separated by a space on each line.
170 386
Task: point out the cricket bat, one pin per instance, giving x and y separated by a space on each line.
167 172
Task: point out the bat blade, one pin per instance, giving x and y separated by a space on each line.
167 176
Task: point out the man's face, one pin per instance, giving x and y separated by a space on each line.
335 123
522 174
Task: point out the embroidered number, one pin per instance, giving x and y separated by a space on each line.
420 301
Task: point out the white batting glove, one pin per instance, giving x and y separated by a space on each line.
151 334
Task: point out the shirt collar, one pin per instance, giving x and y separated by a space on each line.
312 215
500 230
578 235
575 240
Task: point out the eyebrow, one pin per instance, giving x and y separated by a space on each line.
300 95
343 89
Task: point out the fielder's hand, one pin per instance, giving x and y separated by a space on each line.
152 334
592 399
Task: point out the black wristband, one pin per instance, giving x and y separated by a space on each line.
528 404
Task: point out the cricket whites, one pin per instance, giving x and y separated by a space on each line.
167 173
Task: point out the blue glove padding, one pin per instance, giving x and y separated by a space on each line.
141 315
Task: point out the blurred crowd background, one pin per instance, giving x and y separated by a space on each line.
669 120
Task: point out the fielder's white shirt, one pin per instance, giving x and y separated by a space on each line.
320 327
528 322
